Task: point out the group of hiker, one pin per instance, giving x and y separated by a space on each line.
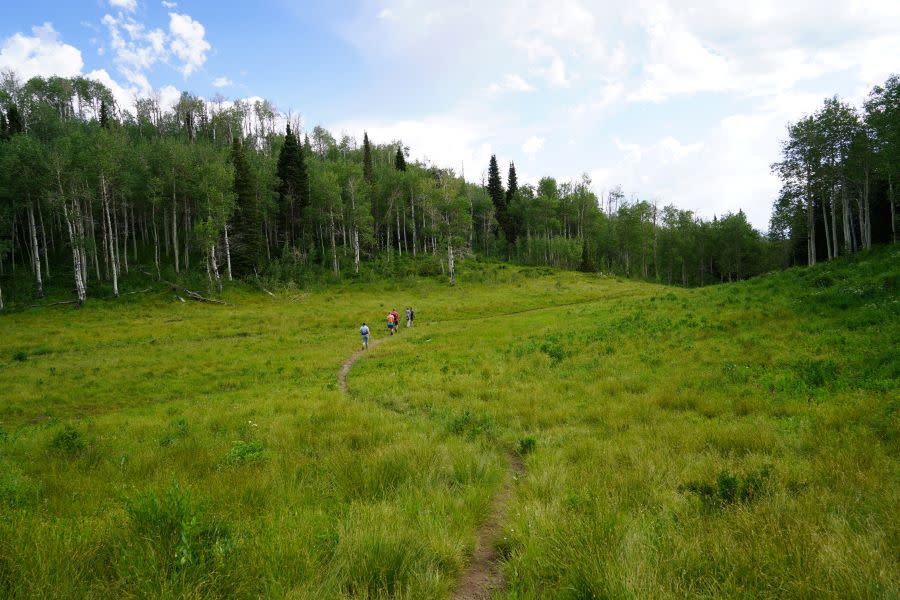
393 324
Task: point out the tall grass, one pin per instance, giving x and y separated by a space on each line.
736 441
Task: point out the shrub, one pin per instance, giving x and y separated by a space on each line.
527 445
244 452
471 425
729 488
68 440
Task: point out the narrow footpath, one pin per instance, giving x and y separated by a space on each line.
483 575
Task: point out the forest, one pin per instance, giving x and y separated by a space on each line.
90 191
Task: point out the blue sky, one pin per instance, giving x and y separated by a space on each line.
682 105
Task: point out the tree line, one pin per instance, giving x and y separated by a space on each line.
89 191
839 168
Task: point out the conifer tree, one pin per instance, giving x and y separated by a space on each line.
512 184
498 197
290 196
399 159
368 172
247 243
4 133
104 115
14 123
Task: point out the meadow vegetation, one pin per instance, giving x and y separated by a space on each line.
740 440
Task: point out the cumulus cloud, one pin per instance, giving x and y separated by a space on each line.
137 48
532 146
129 5
221 82
510 83
42 53
188 42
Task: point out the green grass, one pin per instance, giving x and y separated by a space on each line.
733 441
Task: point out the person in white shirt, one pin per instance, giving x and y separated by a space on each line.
364 332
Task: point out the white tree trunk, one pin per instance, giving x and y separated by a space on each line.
451 266
227 253
44 238
891 202
73 241
114 270
155 243
827 232
334 258
845 211
35 252
215 268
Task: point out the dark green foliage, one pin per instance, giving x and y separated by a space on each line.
368 171
729 488
291 172
244 452
247 247
68 440
14 122
471 425
4 128
527 445
498 197
104 115
399 159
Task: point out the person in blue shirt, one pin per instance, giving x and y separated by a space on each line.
364 332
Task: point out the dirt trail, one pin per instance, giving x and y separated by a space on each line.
482 575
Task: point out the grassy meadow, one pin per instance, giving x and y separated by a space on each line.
736 441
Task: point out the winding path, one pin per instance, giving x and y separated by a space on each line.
483 574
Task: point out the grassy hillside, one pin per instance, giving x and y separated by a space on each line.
734 441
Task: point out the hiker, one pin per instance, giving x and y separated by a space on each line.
409 316
364 331
391 323
396 320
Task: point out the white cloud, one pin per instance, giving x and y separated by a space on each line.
387 15
510 83
532 146
188 42
444 140
221 82
129 5
42 53
167 4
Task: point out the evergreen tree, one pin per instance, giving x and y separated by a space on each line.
4 133
14 123
495 189
399 159
247 243
512 184
104 115
368 172
290 189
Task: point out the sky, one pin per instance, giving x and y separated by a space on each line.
679 103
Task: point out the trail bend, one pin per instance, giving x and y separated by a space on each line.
483 575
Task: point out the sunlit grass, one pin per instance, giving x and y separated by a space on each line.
738 441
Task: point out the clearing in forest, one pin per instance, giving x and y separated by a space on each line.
734 441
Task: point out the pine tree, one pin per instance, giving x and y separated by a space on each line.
399 159
290 196
495 189
368 173
512 188
14 123
246 243
104 115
